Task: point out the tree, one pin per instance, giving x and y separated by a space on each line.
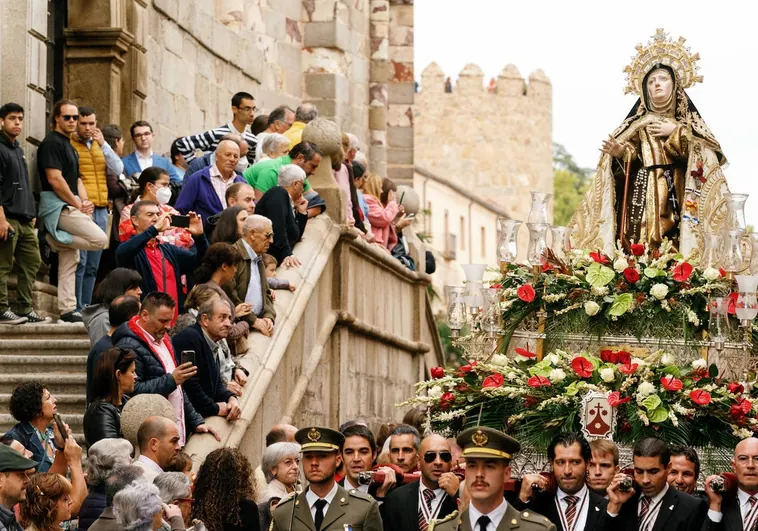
570 182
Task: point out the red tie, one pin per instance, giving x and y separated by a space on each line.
644 508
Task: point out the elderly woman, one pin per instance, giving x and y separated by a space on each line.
103 458
176 488
138 507
280 464
274 145
48 502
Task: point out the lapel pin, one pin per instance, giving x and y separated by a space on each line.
342 500
597 509
671 508
514 522
297 502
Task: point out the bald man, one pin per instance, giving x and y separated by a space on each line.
734 513
204 192
412 506
158 441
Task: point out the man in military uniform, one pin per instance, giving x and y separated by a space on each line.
324 505
488 455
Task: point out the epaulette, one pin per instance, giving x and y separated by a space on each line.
448 518
290 496
355 493
535 518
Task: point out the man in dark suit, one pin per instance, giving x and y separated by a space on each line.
249 284
736 513
287 209
573 506
206 390
655 506
435 496
358 455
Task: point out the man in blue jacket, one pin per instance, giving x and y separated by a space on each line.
143 157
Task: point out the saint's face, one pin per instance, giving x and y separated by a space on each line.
659 85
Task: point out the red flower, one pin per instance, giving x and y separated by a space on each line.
496 286
582 367
631 275
682 272
670 383
466 368
437 372
446 400
744 405
525 353
615 400
624 357
638 249
700 397
494 380
732 305
538 381
530 401
462 387
608 356
600 258
526 293
736 388
722 271
629 368
547 267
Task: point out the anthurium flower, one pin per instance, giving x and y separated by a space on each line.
538 381
525 353
682 272
700 397
629 368
600 258
671 383
582 367
526 293
736 388
615 400
494 380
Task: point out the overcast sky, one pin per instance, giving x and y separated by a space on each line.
583 47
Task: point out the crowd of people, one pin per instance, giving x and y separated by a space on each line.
99 208
392 480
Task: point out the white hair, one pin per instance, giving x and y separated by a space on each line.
361 157
229 143
354 143
255 222
273 143
289 174
275 454
135 506
104 457
173 486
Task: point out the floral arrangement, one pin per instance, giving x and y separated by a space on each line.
645 293
534 400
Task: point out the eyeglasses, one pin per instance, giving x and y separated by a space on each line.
69 117
140 135
744 459
248 109
429 457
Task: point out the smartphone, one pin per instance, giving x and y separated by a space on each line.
188 356
61 427
180 221
410 216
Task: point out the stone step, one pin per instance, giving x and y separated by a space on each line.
62 364
68 404
66 383
74 422
43 347
55 330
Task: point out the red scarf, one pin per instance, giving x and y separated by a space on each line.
140 333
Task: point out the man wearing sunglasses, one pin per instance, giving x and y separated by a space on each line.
412 506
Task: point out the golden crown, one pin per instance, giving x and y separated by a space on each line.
662 50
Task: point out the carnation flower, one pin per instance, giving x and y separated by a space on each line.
699 364
591 307
668 359
620 264
711 274
659 291
645 389
434 392
607 374
557 375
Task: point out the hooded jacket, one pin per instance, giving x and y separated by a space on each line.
15 191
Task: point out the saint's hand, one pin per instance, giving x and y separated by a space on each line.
661 129
612 147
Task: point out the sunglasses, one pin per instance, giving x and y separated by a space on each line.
69 117
429 457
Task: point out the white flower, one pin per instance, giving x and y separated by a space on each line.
693 318
591 307
511 376
699 363
742 433
434 392
711 274
607 374
645 389
620 264
602 291
552 359
659 291
668 359
556 375
500 360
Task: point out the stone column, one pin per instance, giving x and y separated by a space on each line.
378 77
401 92
96 48
134 78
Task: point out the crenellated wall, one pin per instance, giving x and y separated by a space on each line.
494 140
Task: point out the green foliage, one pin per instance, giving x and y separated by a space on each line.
452 353
570 182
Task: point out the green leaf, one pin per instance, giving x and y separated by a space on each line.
651 403
658 415
621 304
571 389
599 275
713 371
672 370
651 272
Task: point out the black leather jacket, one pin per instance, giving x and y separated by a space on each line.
102 421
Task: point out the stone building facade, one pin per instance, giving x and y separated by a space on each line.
494 141
176 63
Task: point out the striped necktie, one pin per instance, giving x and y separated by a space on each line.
571 502
750 519
428 497
644 508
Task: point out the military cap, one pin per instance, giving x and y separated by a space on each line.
10 460
315 439
488 443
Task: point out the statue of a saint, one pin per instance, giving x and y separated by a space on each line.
660 173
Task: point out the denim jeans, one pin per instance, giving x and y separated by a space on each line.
89 261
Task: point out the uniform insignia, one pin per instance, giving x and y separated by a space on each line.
314 435
514 522
449 517
479 438
342 500
297 502
526 515
352 491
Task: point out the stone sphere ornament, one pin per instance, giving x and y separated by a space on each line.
139 408
326 135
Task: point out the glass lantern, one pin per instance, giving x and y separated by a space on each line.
538 210
732 251
735 207
456 309
718 322
753 253
711 250
537 243
559 242
747 304
490 317
474 274
507 247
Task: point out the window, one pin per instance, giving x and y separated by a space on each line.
462 232
484 241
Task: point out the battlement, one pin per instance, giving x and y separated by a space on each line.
509 83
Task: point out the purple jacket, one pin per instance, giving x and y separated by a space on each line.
199 196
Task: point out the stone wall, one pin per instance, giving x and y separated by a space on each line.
495 141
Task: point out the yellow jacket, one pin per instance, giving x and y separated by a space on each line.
92 171
295 133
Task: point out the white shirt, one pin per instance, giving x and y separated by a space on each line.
361 488
582 507
495 516
439 495
655 508
312 498
220 184
144 162
254 294
150 468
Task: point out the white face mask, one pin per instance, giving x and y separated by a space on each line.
242 165
163 195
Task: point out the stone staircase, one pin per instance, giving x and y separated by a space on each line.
56 355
